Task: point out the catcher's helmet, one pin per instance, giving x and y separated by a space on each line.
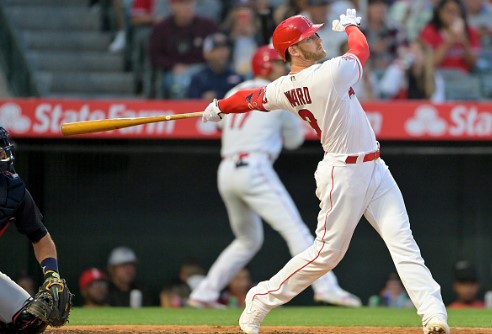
6 150
262 60
291 31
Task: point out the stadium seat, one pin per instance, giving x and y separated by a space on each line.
460 86
486 85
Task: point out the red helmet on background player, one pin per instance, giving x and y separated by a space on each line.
262 60
291 31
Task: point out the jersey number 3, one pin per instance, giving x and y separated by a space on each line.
309 117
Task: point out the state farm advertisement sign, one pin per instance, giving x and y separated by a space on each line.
42 118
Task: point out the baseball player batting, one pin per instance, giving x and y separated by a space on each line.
351 181
19 312
251 190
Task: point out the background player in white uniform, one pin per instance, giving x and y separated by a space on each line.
251 190
351 180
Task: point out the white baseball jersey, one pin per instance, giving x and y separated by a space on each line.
323 96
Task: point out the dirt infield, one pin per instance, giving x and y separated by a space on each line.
235 330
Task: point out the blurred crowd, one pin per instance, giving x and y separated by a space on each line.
120 285
199 49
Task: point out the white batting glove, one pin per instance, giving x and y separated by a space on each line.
212 112
349 19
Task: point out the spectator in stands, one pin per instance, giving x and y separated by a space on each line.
114 18
143 16
392 295
176 47
466 286
266 23
289 8
176 292
455 43
382 36
235 293
412 15
93 285
412 75
119 42
479 14
122 269
241 26
217 78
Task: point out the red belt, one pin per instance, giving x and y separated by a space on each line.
352 159
242 155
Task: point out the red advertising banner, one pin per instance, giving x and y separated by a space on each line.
408 120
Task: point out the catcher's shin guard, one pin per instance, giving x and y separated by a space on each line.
24 323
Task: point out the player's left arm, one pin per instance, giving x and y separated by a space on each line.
240 102
243 101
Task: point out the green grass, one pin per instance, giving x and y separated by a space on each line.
284 316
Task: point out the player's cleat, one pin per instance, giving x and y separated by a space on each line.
437 325
252 316
339 297
195 303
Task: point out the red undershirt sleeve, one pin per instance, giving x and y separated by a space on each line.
357 44
243 101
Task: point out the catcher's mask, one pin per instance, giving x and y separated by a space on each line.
6 150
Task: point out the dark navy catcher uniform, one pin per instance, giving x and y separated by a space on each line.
17 207
16 203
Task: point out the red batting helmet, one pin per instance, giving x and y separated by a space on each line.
262 60
291 31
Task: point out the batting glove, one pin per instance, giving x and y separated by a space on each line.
349 19
212 113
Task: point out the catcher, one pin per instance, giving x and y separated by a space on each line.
19 312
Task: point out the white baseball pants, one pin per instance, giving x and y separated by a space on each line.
12 298
346 193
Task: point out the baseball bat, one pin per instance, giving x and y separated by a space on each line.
78 128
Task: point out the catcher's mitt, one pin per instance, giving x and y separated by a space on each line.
53 301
